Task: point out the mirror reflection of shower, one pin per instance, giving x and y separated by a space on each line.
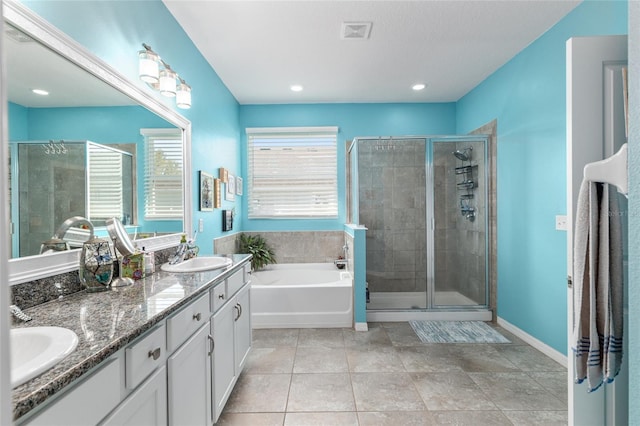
467 183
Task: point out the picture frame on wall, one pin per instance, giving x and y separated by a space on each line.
238 185
206 191
223 174
230 193
217 194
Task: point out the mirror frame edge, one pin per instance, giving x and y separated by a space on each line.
36 267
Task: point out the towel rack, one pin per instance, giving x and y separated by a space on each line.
612 170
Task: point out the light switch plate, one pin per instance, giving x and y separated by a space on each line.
561 223
200 225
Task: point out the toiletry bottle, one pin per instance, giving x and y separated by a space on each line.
149 262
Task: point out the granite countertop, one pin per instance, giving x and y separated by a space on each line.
108 321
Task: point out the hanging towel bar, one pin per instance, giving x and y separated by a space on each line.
612 170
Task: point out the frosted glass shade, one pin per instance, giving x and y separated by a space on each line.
167 83
148 68
183 96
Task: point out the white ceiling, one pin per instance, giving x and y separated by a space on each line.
30 65
260 48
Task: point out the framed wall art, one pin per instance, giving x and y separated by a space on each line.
238 185
230 193
206 192
223 174
217 195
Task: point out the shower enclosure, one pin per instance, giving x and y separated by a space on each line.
423 201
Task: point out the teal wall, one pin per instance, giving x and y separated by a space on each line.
353 120
114 31
634 217
527 97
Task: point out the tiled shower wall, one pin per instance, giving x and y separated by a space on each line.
292 247
391 174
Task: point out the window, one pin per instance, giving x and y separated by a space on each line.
106 199
292 173
163 174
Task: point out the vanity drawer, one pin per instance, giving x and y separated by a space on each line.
144 356
218 296
235 282
184 323
87 403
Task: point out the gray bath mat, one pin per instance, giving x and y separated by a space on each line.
456 332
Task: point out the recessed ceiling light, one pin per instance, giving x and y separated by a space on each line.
419 86
297 88
40 92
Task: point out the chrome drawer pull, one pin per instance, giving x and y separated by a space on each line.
221 296
238 309
155 354
197 316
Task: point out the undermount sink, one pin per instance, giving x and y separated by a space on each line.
198 264
36 349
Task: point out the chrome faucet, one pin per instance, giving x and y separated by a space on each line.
17 312
186 250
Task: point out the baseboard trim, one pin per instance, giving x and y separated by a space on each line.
361 326
558 357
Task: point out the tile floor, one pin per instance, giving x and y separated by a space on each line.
386 376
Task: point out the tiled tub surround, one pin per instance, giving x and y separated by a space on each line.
107 321
292 246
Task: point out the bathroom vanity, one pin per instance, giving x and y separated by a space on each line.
166 351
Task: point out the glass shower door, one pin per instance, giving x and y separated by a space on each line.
391 195
459 217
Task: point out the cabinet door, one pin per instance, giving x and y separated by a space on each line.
147 406
189 375
242 328
223 355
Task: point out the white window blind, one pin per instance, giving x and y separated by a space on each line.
163 174
292 173
105 185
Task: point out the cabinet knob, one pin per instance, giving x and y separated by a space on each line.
155 354
197 316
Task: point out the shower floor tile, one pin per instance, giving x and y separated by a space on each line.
387 376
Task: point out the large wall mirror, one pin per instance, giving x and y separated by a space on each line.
87 149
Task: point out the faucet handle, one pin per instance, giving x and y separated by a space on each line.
17 312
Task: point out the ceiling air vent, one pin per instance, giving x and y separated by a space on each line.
355 30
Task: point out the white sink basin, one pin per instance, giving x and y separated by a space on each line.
36 349
198 264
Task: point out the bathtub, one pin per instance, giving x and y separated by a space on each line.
301 295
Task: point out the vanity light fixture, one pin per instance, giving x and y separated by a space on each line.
160 76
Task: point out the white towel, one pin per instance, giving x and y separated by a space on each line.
598 286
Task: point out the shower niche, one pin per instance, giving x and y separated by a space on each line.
423 202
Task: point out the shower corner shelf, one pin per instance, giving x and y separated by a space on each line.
465 169
467 184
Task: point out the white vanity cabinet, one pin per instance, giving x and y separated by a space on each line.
179 372
231 330
189 365
147 405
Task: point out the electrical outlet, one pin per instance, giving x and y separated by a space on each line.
561 223
200 225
